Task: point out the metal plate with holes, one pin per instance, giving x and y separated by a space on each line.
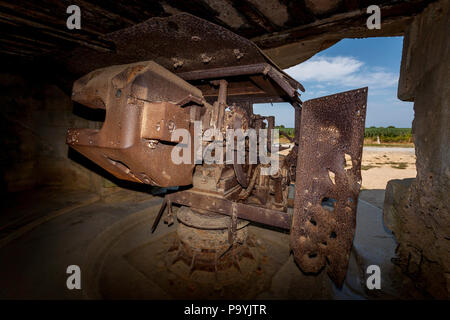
328 179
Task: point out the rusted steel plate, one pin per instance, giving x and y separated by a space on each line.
180 43
193 48
328 179
204 201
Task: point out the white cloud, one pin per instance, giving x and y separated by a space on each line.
324 68
342 71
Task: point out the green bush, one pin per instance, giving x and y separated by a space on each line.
389 134
290 131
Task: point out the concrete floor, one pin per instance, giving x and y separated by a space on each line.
108 239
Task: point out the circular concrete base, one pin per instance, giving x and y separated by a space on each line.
128 262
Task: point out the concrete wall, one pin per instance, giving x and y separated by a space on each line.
418 211
34 119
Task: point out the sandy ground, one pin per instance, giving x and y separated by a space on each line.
379 165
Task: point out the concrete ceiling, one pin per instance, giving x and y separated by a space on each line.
288 31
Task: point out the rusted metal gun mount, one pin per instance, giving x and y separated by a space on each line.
146 102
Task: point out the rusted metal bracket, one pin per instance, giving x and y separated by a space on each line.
283 80
233 224
205 201
159 215
169 218
328 179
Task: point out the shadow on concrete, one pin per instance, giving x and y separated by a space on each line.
373 196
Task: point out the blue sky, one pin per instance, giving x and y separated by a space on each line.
352 64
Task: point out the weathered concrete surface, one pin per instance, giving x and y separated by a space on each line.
34 265
101 238
419 215
35 116
298 28
397 190
34 119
